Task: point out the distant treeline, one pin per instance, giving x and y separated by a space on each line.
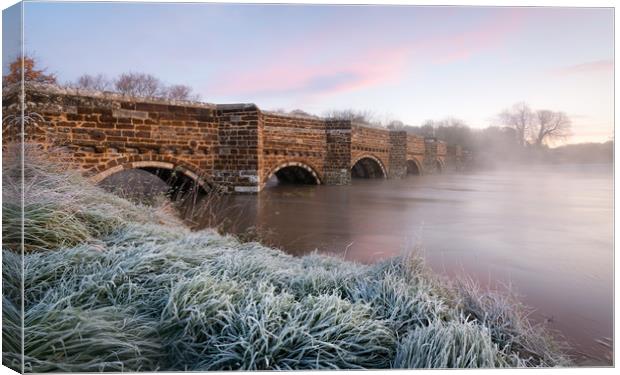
500 144
522 134
583 153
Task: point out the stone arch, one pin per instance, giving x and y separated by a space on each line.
414 167
151 163
368 166
295 172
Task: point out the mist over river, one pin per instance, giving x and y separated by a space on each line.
545 230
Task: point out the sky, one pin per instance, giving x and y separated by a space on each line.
409 63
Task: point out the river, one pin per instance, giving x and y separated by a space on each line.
547 231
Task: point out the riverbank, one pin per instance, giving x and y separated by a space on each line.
114 286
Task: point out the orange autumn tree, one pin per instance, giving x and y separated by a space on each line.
30 72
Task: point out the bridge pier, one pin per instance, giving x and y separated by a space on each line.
336 169
398 154
240 142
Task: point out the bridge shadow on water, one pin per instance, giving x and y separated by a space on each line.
145 185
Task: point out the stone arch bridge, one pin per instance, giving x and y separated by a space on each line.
236 147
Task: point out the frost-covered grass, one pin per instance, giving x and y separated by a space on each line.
114 286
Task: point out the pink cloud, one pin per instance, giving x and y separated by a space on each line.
363 69
462 46
587 67
298 70
375 68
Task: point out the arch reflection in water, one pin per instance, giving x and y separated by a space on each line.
145 183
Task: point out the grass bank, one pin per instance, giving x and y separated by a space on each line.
110 285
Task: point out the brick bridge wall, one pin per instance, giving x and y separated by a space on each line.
234 146
106 134
416 151
289 140
454 158
435 152
370 142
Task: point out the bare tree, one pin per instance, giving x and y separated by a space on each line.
136 85
396 125
365 117
519 118
179 92
139 85
300 112
454 131
427 129
550 125
99 82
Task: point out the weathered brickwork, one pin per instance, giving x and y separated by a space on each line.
236 147
337 168
240 143
293 139
398 154
434 156
454 158
441 153
105 135
370 143
415 153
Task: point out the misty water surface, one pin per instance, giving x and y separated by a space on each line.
547 231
